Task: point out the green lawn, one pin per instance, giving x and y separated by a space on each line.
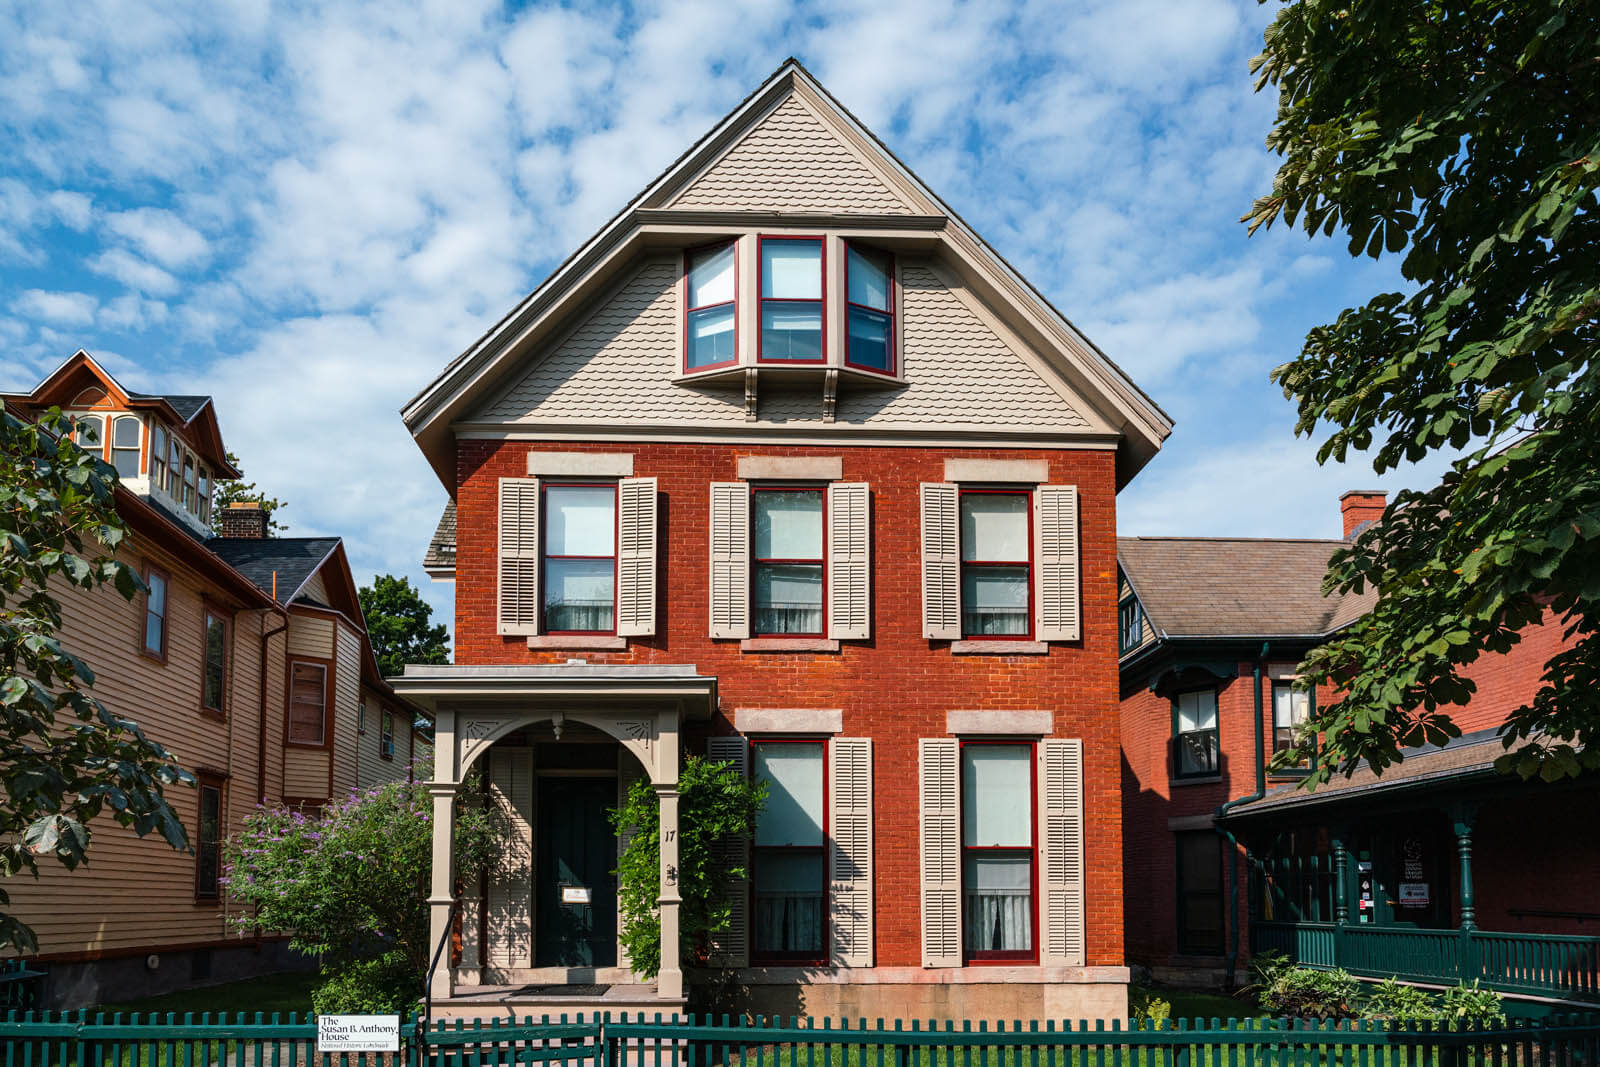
1187 1004
273 993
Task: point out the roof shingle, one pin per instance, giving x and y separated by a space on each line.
292 559
441 554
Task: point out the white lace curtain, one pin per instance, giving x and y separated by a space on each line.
999 920
788 922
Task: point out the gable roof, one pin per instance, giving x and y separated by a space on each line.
1236 586
290 560
720 168
440 559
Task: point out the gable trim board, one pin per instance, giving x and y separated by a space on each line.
1075 359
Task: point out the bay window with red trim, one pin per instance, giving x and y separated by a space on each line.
789 886
579 557
791 304
996 563
869 310
710 299
788 574
998 853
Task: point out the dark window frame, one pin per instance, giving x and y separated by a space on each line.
1215 731
209 891
1303 769
821 302
868 253
616 540
800 958
1129 621
159 655
992 957
326 666
820 562
1027 495
386 734
211 613
1185 943
689 255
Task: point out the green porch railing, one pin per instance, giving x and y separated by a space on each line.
61 1040
1546 965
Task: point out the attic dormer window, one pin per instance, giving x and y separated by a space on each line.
86 433
869 312
710 333
791 300
125 433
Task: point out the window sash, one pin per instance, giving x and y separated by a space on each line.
1131 625
1194 719
791 299
85 426
579 589
788 572
788 884
997 797
796 810
208 843
386 735
125 452
308 703
214 681
155 614
869 311
997 900
996 553
1200 910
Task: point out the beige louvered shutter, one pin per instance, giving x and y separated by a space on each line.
1061 852
519 556
941 852
941 562
1055 549
850 852
731 948
730 559
636 557
510 896
849 561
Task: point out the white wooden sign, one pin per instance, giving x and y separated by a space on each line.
576 894
358 1033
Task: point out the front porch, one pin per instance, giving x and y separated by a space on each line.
554 748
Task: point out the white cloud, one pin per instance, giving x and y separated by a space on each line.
161 235
133 272
64 309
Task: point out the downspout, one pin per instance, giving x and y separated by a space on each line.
1227 835
261 739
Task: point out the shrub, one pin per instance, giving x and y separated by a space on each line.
1145 1003
382 985
1400 1003
1290 990
1469 1005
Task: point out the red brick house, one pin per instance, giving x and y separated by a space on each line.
788 466
1440 870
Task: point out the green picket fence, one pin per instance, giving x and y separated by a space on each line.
77 1040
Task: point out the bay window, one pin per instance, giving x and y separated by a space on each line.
205 496
996 575
997 850
789 869
579 558
791 300
158 457
190 499
125 439
87 433
1195 729
710 330
869 311
787 561
174 484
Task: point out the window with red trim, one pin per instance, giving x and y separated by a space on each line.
386 735
580 558
786 587
308 702
213 679
997 850
208 840
789 864
791 271
996 563
154 639
710 329
869 310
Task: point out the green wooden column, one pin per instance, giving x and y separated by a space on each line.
1341 888
1463 827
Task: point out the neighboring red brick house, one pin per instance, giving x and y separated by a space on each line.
788 466
1399 874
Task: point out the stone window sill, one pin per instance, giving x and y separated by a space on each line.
999 648
577 643
788 644
1206 779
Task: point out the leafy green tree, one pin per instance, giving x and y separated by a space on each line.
715 803
398 624
65 758
1464 136
237 490
352 885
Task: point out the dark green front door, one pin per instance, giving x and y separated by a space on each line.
575 892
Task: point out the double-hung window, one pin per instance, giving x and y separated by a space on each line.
997 850
1130 625
787 561
214 678
190 496
88 433
174 485
996 572
789 869
1291 709
869 311
308 703
1199 893
1195 729
153 640
580 558
158 457
208 840
386 735
710 321
791 310
125 441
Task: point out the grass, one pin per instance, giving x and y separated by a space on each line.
271 993
1187 1004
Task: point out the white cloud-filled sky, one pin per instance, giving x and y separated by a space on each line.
307 210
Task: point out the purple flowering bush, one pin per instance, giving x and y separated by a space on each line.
351 883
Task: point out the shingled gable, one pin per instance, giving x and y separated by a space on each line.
584 347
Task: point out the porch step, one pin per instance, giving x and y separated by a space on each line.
525 1000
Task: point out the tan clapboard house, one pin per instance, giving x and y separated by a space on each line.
248 658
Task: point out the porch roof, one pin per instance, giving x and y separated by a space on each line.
567 683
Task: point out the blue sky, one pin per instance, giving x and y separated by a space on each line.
307 210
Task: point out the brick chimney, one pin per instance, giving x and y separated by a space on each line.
1360 508
245 519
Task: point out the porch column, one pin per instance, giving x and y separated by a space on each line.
1463 829
1341 890
669 983
441 896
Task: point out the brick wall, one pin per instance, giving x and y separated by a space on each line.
894 688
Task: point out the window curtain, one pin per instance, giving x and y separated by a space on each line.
998 920
580 615
789 922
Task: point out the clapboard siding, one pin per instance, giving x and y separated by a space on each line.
316 588
311 635
346 708
305 773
